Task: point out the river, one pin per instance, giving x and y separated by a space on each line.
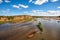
19 31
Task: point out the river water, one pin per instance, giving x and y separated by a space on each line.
51 29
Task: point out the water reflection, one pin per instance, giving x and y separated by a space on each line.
58 21
51 28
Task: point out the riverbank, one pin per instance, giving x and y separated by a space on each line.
13 21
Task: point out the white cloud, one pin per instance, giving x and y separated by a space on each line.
7 1
20 5
24 6
54 12
36 13
15 6
39 2
30 0
58 7
54 0
1 1
42 13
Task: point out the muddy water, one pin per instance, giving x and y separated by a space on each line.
17 31
51 29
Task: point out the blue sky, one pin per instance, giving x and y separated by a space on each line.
30 7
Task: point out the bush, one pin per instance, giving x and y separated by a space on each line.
40 27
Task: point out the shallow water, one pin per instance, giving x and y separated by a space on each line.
12 31
51 29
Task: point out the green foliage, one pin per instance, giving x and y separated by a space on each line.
40 27
2 22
